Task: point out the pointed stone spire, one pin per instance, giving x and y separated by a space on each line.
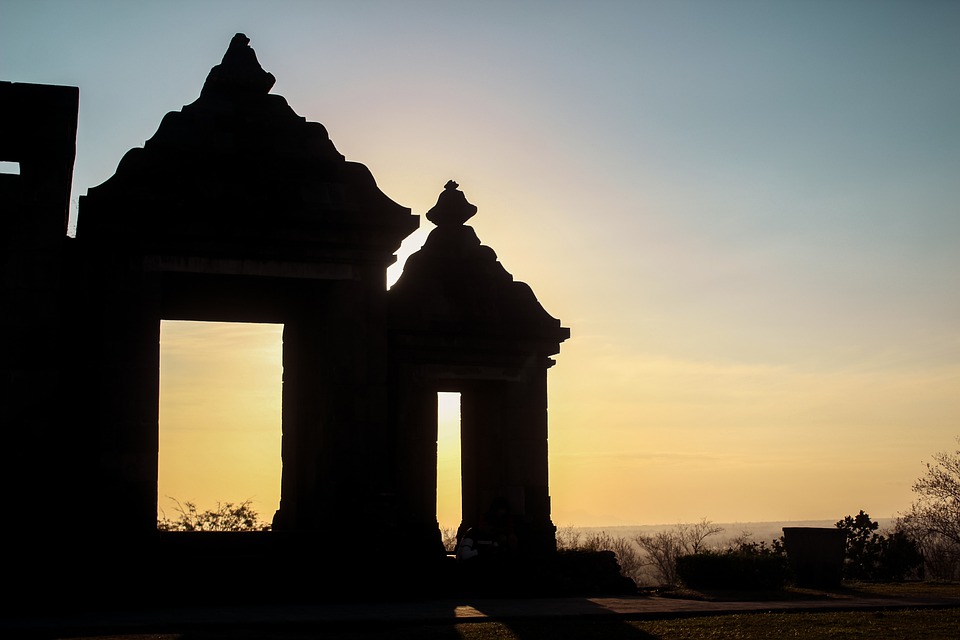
452 207
239 72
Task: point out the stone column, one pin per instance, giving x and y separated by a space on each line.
416 467
525 458
334 412
504 457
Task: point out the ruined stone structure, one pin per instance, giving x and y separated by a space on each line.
238 209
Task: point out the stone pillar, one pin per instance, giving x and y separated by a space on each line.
416 468
525 457
122 371
334 412
481 427
504 457
300 415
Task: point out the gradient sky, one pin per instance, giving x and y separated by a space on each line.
748 213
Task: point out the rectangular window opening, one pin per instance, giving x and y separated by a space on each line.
220 423
449 491
10 168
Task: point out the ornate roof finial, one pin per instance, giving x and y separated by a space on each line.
239 72
452 207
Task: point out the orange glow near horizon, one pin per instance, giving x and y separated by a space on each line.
220 420
449 491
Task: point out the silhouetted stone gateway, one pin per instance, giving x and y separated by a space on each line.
238 209
459 322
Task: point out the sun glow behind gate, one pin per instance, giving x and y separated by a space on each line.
220 402
449 497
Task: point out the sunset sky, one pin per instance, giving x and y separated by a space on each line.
748 214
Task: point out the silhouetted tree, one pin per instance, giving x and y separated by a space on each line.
863 545
934 518
871 555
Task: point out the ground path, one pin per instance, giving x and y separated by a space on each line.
197 621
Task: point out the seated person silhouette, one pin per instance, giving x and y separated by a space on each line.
493 538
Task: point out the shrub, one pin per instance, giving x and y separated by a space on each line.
665 547
568 538
448 536
733 569
627 556
228 516
586 571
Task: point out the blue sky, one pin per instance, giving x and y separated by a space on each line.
746 212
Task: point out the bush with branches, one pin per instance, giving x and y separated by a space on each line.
628 557
654 557
663 548
744 543
448 536
227 516
743 563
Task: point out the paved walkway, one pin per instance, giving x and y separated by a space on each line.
422 612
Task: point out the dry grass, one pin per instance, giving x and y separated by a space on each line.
912 590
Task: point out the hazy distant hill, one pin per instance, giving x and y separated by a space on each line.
760 531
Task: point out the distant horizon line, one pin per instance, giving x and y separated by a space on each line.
716 522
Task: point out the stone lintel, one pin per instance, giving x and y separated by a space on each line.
452 373
249 267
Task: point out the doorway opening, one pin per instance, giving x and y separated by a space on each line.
220 419
449 491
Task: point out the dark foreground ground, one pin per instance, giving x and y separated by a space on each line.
854 611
